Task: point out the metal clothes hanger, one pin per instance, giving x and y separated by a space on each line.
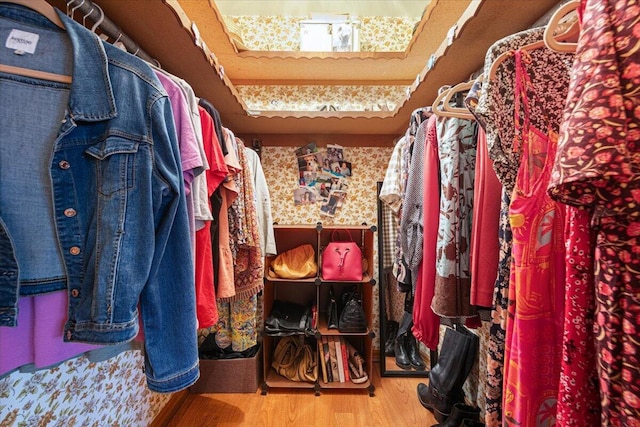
46 10
100 19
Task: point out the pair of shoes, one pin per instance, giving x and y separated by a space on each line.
356 367
390 334
407 353
461 414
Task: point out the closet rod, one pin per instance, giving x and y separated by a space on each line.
86 9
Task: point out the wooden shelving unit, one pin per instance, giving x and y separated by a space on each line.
316 291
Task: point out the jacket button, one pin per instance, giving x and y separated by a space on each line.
75 293
74 250
63 164
69 212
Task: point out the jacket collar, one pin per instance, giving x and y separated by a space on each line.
91 97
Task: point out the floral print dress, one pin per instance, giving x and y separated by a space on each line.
457 155
533 343
598 167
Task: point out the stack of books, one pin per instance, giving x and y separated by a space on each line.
335 360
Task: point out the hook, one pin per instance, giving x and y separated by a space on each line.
84 18
73 9
100 19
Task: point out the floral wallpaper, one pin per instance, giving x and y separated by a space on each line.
79 392
317 98
278 33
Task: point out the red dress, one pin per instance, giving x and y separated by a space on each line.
598 166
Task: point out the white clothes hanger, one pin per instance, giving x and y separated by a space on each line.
559 42
441 106
46 10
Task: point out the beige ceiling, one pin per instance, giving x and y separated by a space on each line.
299 8
164 29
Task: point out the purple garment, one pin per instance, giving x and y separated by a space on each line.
190 158
38 338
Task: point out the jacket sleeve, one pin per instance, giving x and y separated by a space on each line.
167 302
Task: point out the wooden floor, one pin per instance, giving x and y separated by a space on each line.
395 404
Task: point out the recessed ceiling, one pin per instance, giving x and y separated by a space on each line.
165 30
398 8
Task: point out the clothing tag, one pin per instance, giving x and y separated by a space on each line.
22 41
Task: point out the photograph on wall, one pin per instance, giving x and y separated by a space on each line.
308 179
341 195
323 184
310 162
335 153
330 206
342 168
310 148
304 196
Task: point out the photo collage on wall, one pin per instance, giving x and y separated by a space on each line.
323 177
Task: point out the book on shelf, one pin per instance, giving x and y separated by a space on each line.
345 359
327 358
336 343
334 360
323 363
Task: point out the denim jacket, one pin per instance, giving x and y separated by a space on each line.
118 210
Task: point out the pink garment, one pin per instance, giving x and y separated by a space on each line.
206 307
190 158
485 248
426 324
533 342
579 397
38 337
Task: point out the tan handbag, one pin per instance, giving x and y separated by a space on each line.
296 263
295 360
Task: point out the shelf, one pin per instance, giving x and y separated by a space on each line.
348 385
275 380
323 330
288 237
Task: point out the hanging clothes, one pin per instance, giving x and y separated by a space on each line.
263 204
237 324
457 154
485 247
597 167
579 396
109 215
206 307
496 110
426 324
536 288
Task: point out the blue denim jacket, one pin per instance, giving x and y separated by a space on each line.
118 210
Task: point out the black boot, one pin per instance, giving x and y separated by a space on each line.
402 357
414 353
455 359
472 423
390 335
460 413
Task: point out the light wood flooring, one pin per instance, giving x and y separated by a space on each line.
395 404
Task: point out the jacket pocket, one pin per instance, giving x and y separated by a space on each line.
115 164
